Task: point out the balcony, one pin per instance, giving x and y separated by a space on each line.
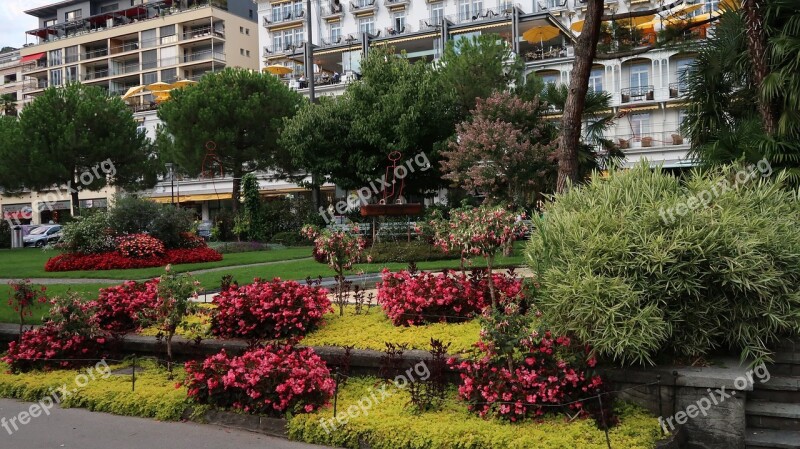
35 66
331 10
289 48
677 90
478 16
432 23
283 16
204 56
396 4
202 33
640 93
553 52
392 31
97 74
363 7
34 84
553 5
96 53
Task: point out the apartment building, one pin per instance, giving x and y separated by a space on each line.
11 77
645 89
116 45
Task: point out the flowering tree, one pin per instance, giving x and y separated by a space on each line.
481 231
174 304
23 295
504 150
341 249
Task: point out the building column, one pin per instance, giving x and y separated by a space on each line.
204 215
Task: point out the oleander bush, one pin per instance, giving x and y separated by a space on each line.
267 310
272 380
642 264
415 297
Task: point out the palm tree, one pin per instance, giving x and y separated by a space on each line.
8 104
723 81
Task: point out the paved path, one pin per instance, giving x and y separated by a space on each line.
82 429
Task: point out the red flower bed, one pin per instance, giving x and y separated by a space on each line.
121 308
269 310
535 386
413 298
116 261
139 246
271 380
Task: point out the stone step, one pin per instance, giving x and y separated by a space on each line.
777 389
771 439
773 415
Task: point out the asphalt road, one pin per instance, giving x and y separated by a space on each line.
82 429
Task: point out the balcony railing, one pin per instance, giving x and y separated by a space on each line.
477 16
204 56
91 54
281 16
38 65
677 89
97 74
332 9
390 3
125 70
640 93
363 5
201 33
392 31
659 139
431 23
548 53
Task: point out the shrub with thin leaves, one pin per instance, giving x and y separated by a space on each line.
622 271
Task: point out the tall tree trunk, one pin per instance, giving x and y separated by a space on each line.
569 140
316 196
757 48
236 190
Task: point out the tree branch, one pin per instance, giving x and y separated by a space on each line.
645 49
632 14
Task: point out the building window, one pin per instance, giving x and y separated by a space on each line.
168 34
169 75
149 59
149 78
109 8
640 124
640 75
366 25
247 53
437 12
72 15
51 22
55 77
72 74
336 32
241 51
149 38
399 22
250 12
54 58
71 54
682 73
469 9
247 31
549 79
596 80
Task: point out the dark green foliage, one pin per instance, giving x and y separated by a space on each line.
132 215
413 251
623 271
289 238
5 234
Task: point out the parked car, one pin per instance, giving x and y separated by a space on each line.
43 235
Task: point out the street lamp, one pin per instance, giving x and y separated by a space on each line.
171 169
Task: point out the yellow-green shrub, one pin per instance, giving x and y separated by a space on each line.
392 425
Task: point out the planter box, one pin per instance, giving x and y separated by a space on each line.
390 210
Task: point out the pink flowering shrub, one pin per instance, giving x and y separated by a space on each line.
67 339
23 296
413 298
126 307
271 380
267 310
341 249
140 246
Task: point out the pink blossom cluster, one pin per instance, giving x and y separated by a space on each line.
24 294
122 308
423 297
480 231
271 380
140 246
269 310
539 383
340 249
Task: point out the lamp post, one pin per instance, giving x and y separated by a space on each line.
170 167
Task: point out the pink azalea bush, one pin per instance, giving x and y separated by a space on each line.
414 298
126 307
267 310
272 380
140 246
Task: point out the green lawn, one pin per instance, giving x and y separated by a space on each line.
8 315
29 263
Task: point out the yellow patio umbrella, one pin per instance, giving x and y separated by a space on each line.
730 4
638 22
161 96
278 69
183 83
577 25
159 86
541 33
132 91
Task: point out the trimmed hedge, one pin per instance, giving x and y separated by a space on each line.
403 252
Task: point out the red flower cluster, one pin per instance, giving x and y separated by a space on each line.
538 384
140 246
422 297
271 380
116 261
67 339
269 310
24 295
120 309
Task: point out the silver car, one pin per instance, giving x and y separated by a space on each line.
42 236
